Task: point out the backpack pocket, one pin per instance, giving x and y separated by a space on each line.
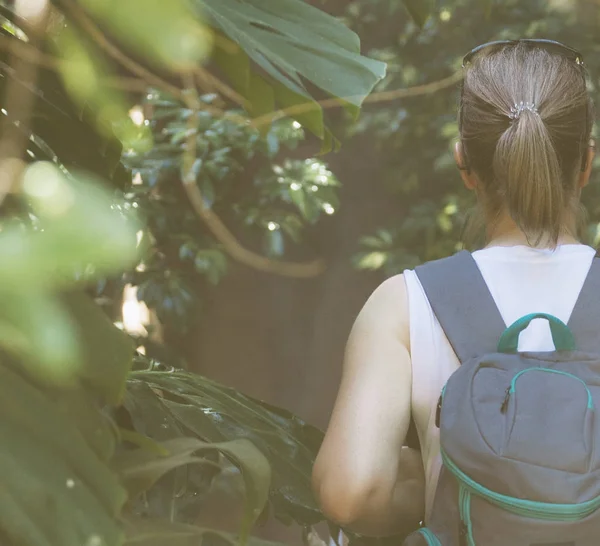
493 519
548 420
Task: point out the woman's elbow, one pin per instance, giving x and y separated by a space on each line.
342 501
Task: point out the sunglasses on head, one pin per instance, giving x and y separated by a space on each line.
551 46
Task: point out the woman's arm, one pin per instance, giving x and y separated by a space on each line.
364 478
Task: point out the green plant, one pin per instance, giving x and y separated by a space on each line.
87 458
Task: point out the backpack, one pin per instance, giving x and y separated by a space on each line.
519 431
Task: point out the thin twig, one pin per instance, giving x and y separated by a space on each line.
90 28
382 96
417 90
19 104
31 54
27 52
216 225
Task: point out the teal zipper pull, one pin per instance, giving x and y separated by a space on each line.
504 405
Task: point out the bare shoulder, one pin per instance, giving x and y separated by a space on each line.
387 309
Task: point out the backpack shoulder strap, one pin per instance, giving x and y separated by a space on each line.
585 318
463 304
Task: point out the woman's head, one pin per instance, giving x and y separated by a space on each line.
525 123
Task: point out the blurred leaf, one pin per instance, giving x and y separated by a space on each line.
299 199
171 35
107 352
212 262
140 469
82 225
36 329
84 71
56 491
372 260
215 413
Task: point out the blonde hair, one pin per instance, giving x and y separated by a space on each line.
525 121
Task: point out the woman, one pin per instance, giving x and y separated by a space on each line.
525 121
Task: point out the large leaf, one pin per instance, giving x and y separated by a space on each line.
107 352
56 487
141 468
152 532
215 413
81 232
293 43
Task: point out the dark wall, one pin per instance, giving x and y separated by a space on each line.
282 340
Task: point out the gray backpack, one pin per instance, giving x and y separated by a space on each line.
519 431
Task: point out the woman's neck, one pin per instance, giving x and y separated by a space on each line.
505 232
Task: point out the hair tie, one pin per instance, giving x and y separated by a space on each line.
518 109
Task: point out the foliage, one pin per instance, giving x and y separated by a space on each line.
192 404
292 43
58 443
243 177
83 459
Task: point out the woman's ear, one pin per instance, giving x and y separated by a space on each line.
469 179
584 176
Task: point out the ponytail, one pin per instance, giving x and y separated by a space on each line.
526 156
529 174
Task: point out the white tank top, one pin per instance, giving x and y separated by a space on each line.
522 280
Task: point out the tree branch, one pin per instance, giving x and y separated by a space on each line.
382 96
92 30
216 225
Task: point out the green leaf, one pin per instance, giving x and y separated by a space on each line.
372 260
261 97
215 413
82 227
140 469
419 10
293 42
306 111
107 352
35 329
169 35
152 532
234 63
56 489
64 340
298 197
83 72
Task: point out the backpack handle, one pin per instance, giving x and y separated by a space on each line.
561 334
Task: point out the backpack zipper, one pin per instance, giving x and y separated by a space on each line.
511 389
466 527
522 507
